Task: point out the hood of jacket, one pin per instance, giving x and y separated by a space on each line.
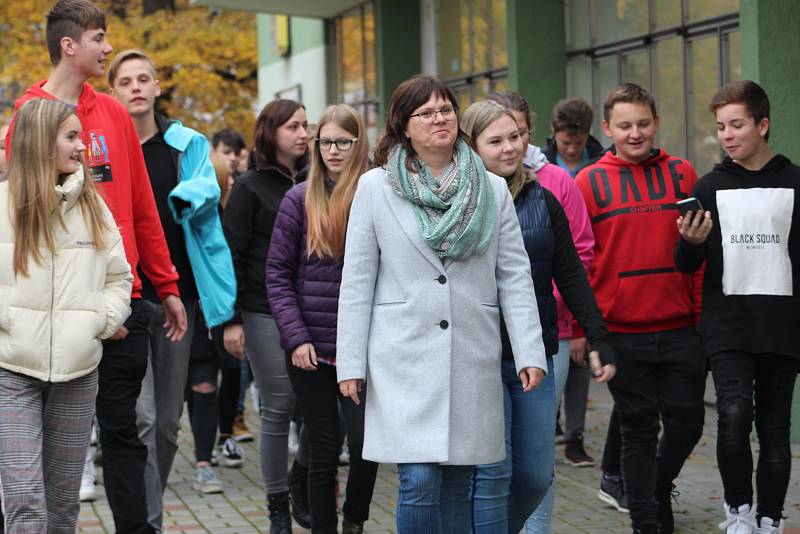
775 165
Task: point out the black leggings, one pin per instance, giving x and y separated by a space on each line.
762 384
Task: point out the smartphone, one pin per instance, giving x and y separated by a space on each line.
689 204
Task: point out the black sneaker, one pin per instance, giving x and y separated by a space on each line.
612 491
649 528
665 517
576 454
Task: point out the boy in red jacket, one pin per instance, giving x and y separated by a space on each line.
650 308
76 41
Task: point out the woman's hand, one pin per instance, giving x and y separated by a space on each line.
694 227
351 388
601 373
233 339
305 357
577 350
531 378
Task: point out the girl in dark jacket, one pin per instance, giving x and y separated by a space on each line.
280 145
505 493
304 270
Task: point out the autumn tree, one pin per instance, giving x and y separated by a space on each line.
207 59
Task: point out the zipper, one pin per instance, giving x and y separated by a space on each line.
52 304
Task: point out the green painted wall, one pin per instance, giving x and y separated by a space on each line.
537 55
304 34
398 49
771 57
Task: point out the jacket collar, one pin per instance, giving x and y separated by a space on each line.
70 190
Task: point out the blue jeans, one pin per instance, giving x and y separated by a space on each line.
505 493
434 499
540 520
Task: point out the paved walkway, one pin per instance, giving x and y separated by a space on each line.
242 508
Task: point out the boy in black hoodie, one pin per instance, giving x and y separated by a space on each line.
751 304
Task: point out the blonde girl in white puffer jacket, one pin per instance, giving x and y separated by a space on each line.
65 285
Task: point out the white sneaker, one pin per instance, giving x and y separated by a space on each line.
770 526
88 492
206 481
741 520
294 440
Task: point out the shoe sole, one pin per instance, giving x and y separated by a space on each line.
244 438
579 463
88 498
226 462
208 489
608 499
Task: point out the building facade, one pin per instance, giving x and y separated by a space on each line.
356 51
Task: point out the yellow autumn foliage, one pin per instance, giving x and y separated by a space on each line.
207 59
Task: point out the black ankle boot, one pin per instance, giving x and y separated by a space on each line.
280 520
298 494
649 528
351 527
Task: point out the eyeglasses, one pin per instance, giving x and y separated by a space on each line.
341 144
429 115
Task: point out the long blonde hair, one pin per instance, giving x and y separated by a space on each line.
222 169
328 214
32 178
476 119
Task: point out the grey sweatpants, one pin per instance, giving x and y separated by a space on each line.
45 430
268 361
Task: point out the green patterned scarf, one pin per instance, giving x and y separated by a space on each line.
456 216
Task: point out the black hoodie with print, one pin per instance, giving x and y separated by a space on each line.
751 290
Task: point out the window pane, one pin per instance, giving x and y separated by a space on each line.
462 94
618 19
452 27
481 89
704 81
352 57
479 35
577 22
499 57
667 13
369 51
371 122
636 68
733 54
500 85
605 79
579 79
703 9
668 91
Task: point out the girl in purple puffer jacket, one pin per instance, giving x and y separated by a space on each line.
304 270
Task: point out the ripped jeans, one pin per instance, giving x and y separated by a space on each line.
762 384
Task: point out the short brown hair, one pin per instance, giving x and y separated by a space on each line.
126 55
572 115
273 116
628 93
408 96
70 18
515 102
746 92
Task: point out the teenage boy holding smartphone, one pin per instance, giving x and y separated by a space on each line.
751 309
649 307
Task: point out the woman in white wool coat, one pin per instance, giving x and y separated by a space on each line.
64 286
433 255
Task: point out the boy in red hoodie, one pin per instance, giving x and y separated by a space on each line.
650 308
76 41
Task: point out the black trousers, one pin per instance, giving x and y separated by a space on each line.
121 372
318 397
660 375
612 452
768 379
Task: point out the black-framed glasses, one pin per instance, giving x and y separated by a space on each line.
429 115
342 145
